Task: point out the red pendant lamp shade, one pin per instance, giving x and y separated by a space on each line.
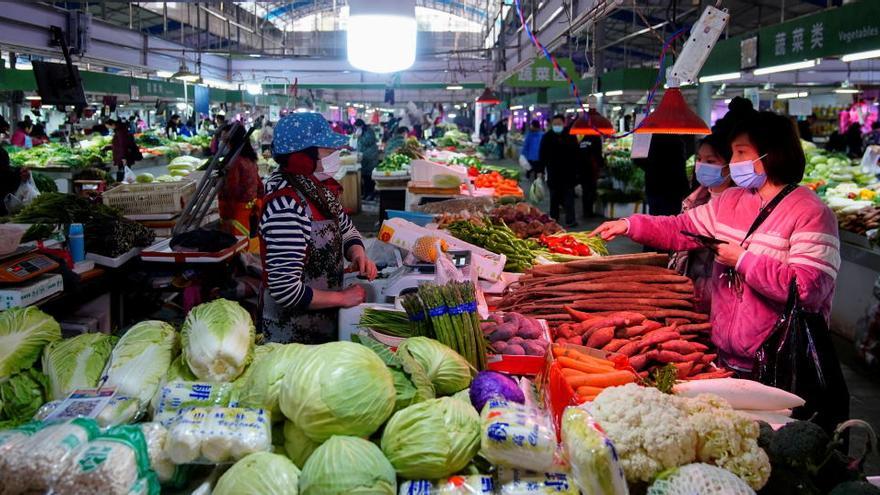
597 125
673 116
488 97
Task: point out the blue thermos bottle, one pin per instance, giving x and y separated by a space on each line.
76 242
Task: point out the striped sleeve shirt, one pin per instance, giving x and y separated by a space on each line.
286 228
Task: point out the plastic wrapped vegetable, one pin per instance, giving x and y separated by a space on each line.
119 410
475 484
704 479
115 462
260 473
35 464
516 482
594 465
155 435
518 436
211 435
174 396
12 437
348 465
432 439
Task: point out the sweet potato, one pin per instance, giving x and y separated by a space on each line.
534 348
499 346
695 328
631 332
658 337
708 358
600 337
614 345
711 374
529 332
630 348
639 362
514 350
504 331
564 331
676 321
681 346
677 357
487 327
684 369
577 315
516 340
652 325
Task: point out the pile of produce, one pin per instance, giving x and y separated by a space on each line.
394 163
454 139
648 344
589 375
474 206
476 167
625 182
567 247
605 285
525 220
87 154
498 239
107 232
515 335
501 185
834 167
448 314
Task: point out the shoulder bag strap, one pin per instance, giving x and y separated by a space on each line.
768 209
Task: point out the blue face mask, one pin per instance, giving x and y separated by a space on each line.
744 175
557 129
710 175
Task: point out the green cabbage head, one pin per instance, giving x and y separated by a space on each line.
432 439
21 396
140 360
340 388
218 340
261 387
297 445
23 334
447 370
348 465
260 473
76 362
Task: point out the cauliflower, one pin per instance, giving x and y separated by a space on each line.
728 439
650 429
653 431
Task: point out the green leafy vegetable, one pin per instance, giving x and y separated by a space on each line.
218 340
21 395
297 445
261 473
348 465
76 362
23 334
262 386
141 358
447 370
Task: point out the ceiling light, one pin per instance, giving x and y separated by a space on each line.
852 57
184 74
787 96
806 64
451 115
454 87
164 74
616 92
673 116
457 106
516 107
181 106
254 89
32 98
592 124
488 97
254 55
727 101
552 18
846 88
333 107
596 95
721 77
392 47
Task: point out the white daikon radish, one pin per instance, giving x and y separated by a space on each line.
775 420
741 394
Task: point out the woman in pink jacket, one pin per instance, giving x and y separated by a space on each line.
798 238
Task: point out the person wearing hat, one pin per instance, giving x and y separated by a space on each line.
305 235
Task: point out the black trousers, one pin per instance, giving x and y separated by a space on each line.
562 195
588 196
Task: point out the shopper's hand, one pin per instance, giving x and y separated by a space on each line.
360 263
352 296
728 254
610 230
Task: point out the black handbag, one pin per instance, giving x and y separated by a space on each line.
798 356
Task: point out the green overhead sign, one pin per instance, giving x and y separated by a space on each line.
851 28
541 74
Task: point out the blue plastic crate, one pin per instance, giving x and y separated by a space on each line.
420 219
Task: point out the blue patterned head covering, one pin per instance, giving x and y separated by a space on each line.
298 131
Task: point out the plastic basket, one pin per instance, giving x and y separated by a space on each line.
153 198
420 219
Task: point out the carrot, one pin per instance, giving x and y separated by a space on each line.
580 356
578 315
587 398
584 366
570 372
608 379
588 390
600 337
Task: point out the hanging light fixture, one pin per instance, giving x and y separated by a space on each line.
488 97
184 74
673 116
592 124
382 35
846 88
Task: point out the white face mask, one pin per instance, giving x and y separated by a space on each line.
330 163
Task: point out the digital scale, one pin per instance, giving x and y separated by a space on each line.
23 264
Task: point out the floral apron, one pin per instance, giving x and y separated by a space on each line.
322 270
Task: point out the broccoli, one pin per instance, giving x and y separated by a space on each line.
788 481
800 444
855 488
766 435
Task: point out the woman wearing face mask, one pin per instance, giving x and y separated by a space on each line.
305 235
713 175
771 229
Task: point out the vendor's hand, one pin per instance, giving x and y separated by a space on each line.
728 254
360 263
610 230
352 296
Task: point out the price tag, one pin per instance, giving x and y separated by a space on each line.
83 403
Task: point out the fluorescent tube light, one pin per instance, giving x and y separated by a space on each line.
516 107
852 57
616 92
721 77
806 64
786 96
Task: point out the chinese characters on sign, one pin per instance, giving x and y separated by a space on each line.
542 74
